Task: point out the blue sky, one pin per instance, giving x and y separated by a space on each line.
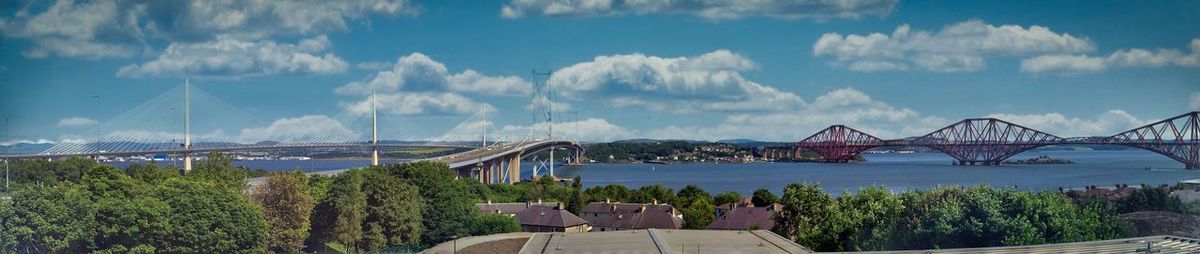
445 70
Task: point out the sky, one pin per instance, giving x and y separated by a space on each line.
772 70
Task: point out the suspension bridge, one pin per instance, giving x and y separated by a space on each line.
989 141
164 126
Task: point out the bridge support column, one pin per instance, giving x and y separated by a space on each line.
514 168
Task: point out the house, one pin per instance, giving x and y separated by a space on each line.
509 209
610 216
551 219
746 218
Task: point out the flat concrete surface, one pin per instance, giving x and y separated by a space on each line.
761 241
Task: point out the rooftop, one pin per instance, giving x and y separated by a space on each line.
549 216
762 241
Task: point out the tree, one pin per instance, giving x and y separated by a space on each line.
449 211
286 206
698 214
654 193
805 209
727 197
54 219
691 193
393 211
346 209
575 203
150 173
206 218
612 192
763 198
577 183
217 168
490 223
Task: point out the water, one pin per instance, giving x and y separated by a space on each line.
895 171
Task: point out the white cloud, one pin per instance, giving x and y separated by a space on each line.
1109 123
421 103
707 9
418 72
1195 103
591 129
711 81
846 106
960 47
72 122
232 58
1121 58
13 142
122 28
306 129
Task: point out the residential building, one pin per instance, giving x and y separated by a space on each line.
611 216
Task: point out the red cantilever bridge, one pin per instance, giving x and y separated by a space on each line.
989 141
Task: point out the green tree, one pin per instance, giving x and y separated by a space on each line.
654 193
217 168
53 219
393 211
206 218
805 210
286 206
864 221
490 223
698 214
691 193
150 173
449 211
612 192
727 197
763 198
576 202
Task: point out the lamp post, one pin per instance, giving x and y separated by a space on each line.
455 248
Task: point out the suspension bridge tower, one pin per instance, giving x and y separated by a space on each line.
187 128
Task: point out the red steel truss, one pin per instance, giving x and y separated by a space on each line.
985 140
991 141
1177 137
839 143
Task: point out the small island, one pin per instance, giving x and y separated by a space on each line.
1040 160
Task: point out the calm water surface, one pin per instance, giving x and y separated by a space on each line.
895 171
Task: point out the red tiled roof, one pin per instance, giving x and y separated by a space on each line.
743 218
508 208
548 216
632 216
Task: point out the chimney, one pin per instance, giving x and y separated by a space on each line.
528 204
656 201
607 201
539 201
489 201
560 205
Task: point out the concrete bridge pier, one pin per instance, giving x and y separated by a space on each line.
514 167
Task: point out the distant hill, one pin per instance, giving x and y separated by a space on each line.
739 141
649 141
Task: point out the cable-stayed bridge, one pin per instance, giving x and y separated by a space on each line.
989 141
164 125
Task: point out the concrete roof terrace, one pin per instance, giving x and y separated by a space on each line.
761 241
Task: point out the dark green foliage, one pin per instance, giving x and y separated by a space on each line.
806 209
217 168
206 218
652 194
393 211
763 198
110 212
450 210
610 192
576 202
490 223
727 197
150 173
1149 199
698 213
947 217
691 193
